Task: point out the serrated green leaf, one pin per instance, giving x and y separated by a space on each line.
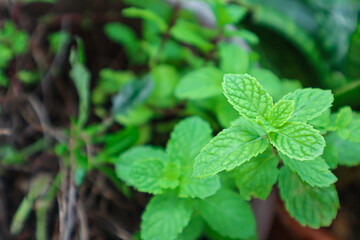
199 187
187 139
165 217
315 172
281 112
309 103
199 84
348 153
126 160
343 118
313 207
230 148
298 140
228 214
256 177
145 175
193 230
233 59
247 96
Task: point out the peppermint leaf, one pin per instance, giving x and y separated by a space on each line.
199 84
228 214
125 162
309 103
193 230
313 207
315 172
199 187
165 217
247 96
145 175
256 177
230 148
281 112
298 140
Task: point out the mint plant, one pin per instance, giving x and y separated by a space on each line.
179 197
266 133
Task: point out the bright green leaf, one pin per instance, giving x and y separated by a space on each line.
199 187
256 177
309 103
165 217
228 214
193 230
281 112
200 83
145 175
126 160
313 207
247 96
230 148
298 140
315 172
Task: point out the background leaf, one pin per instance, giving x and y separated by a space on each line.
199 84
256 177
165 217
233 59
228 214
313 207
